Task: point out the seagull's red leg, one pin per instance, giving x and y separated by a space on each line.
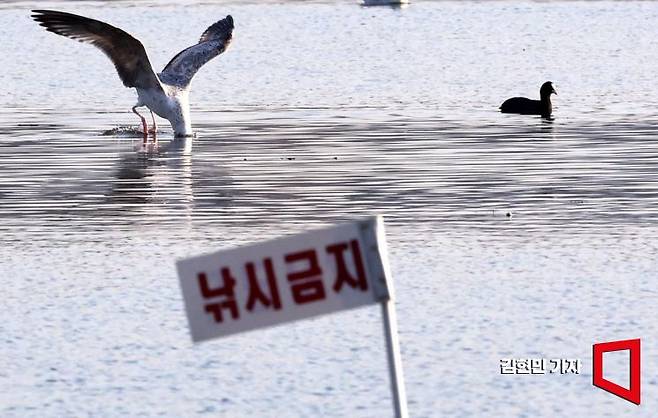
144 126
155 127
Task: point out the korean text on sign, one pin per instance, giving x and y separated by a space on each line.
282 280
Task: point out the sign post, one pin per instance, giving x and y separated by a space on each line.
375 235
317 272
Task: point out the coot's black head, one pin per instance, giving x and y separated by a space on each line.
547 89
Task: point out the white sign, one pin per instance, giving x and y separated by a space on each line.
286 279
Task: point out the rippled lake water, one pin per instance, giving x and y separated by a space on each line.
510 236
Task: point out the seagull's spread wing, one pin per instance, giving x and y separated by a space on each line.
182 68
127 53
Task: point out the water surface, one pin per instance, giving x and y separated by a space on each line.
510 236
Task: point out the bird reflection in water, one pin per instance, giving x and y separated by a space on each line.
154 177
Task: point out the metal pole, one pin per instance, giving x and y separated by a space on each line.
394 359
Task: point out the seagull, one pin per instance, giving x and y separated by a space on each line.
165 93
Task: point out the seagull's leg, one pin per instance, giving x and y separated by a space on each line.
144 126
155 127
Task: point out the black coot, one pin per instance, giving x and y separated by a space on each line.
527 106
